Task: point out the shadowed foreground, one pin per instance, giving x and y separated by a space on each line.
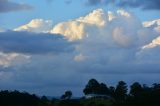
139 95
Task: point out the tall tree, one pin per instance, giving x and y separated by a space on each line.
136 89
121 91
92 87
112 91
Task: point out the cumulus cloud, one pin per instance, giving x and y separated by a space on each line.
9 6
108 39
154 43
151 23
101 24
75 29
143 4
155 24
36 25
102 45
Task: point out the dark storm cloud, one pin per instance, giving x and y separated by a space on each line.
33 43
143 4
8 6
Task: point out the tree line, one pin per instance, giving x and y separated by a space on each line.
16 98
136 95
120 95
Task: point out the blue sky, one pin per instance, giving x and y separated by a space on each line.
49 46
59 10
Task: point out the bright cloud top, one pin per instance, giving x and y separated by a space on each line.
154 43
81 27
122 28
155 24
36 25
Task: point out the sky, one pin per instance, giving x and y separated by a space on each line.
50 46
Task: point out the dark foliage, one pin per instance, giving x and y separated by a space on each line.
139 95
121 91
16 98
67 95
94 87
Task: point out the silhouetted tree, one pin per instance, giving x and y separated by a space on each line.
104 89
16 98
44 98
121 91
156 94
138 96
92 87
67 95
136 89
44 101
112 91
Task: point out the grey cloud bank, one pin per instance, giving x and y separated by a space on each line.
33 43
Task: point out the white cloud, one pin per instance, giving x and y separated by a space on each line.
151 23
75 29
8 59
110 16
36 25
97 17
123 13
155 24
72 30
154 43
98 23
107 38
121 28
